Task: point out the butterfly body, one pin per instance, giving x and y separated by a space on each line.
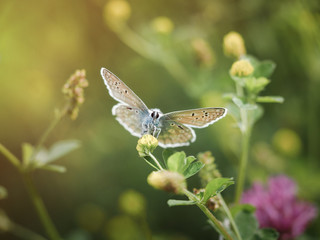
172 129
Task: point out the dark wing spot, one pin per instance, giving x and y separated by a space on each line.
137 111
126 91
129 108
197 118
192 114
204 111
172 124
180 127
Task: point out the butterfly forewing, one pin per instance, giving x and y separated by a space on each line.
129 117
199 118
174 134
120 91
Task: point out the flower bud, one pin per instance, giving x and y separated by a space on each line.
233 45
132 203
167 181
209 171
146 144
73 90
162 25
241 68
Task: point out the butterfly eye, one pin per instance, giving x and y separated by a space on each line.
157 115
152 114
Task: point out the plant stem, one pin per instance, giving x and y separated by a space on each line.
155 160
245 128
227 211
52 125
12 158
40 207
243 164
207 212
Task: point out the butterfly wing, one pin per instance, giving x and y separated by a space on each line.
197 118
120 91
130 118
174 134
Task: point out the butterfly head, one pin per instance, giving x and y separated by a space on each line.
155 114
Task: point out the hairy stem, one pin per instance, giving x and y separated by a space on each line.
207 212
228 213
155 160
40 208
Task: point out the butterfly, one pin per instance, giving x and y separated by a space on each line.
172 129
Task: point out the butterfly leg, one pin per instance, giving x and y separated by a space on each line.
157 132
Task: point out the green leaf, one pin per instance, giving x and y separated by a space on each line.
242 105
237 101
27 151
255 115
166 153
256 85
234 111
176 162
216 186
266 234
173 202
54 168
264 69
56 151
242 207
270 99
3 192
247 224
193 168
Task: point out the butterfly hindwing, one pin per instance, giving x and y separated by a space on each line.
198 118
174 134
120 91
129 117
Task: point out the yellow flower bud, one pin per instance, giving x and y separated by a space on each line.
162 25
233 45
167 181
146 144
241 68
287 142
132 203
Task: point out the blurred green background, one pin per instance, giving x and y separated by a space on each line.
43 42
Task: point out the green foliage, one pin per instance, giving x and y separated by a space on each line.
248 225
44 157
174 202
215 187
179 162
